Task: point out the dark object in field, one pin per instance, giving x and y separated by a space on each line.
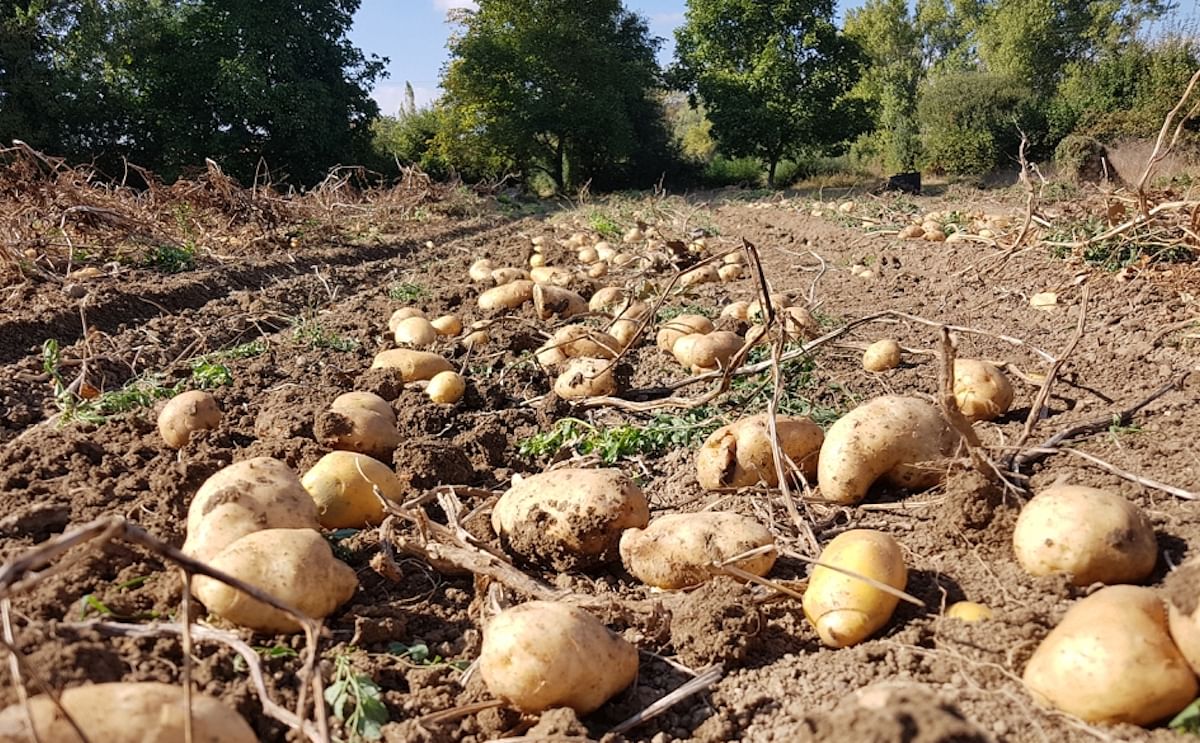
903 182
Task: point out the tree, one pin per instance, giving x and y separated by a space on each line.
559 86
773 76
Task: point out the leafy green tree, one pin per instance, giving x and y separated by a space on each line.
971 121
559 86
772 75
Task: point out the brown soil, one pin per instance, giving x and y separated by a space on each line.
924 678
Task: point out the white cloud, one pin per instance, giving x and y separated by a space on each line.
391 97
447 5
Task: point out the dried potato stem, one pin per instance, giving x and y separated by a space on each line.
1125 474
701 682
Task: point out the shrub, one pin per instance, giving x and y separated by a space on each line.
971 121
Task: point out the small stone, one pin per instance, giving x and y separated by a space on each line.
74 291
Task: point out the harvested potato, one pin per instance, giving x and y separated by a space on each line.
740 454
633 235
507 296
476 339
544 654
674 329
254 494
1092 535
447 325
737 258
899 439
598 270
799 322
678 550
402 314
554 301
481 270
1112 660
412 365
588 256
342 484
607 299
446 388
126 712
755 313
569 518
706 352
508 275
537 260
737 310
912 231
1183 610
585 377
605 251
706 274
845 610
968 611
188 413
296 566
575 341
416 332
982 391
361 422
882 355
550 276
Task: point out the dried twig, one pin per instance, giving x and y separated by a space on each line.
1124 474
704 680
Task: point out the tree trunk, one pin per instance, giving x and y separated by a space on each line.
771 171
560 164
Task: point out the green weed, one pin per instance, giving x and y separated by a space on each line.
1187 721
407 292
173 258
369 714
420 655
661 433
207 375
310 333
604 225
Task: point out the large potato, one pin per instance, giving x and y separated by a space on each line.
627 322
740 454
554 301
1111 659
575 341
187 413
607 299
507 296
361 422
569 518
1092 535
585 377
126 712
412 365
295 566
982 391
707 351
678 550
844 609
1183 610
899 439
259 493
674 329
416 332
342 484
542 654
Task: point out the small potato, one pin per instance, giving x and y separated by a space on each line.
402 314
507 296
543 654
982 391
537 260
569 518
968 611
1111 659
508 275
550 276
360 422
912 232
1092 535
585 377
625 327
575 341
707 351
608 299
730 272
126 712
706 274
899 439
554 301
737 310
755 313
740 454
416 332
476 339
598 270
674 329
633 235
735 259
588 256
623 259
799 322
342 484
446 388
187 413
846 610
481 270
882 355
678 550
413 365
605 251
447 325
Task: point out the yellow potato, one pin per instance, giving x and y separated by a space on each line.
1183 610
412 365
416 332
537 260
126 712
446 388
846 610
342 485
508 275
754 311
588 256
585 377
188 413
882 355
706 351
570 517
736 310
403 313
799 322
626 325
678 550
481 270
296 566
575 341
608 299
447 325
968 611
361 422
730 272
598 270
706 274
554 301
1092 535
982 391
1112 660
740 454
900 439
476 339
550 276
507 296
673 330
544 654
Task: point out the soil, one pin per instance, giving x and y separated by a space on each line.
924 678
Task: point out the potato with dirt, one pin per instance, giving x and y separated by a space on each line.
679 326
1182 592
704 352
543 654
126 712
1111 659
361 422
900 440
188 413
295 566
415 332
554 301
569 518
576 341
679 550
844 609
446 388
507 296
740 454
585 377
342 484
981 390
413 365
1090 534
882 355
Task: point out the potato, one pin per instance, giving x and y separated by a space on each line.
554 301
481 270
607 299
982 391
412 365
678 550
588 256
537 260
476 339
740 454
569 518
799 322
446 388
342 484
507 296
1112 660
126 712
1092 535
403 313
736 310
605 251
627 322
598 270
633 235
508 275
1183 617
674 329
550 276
706 274
361 422
912 231
968 611
755 313
575 341
882 355
623 259
447 325
416 332
846 610
899 439
586 377
254 494
705 352
543 654
188 413
296 566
